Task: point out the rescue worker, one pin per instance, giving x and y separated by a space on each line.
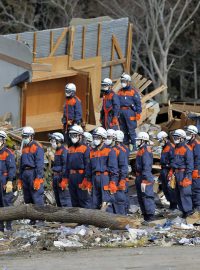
119 137
144 177
166 161
120 196
31 169
60 183
103 172
72 109
77 162
130 109
110 109
191 137
7 174
87 139
183 165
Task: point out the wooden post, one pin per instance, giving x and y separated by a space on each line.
112 57
88 99
129 48
51 41
23 105
71 45
58 42
18 37
83 42
99 39
34 45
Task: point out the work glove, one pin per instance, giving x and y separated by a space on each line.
104 206
138 116
112 187
122 184
115 121
69 122
37 183
9 187
64 184
143 187
195 174
19 184
186 182
86 185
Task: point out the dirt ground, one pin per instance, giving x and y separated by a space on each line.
98 259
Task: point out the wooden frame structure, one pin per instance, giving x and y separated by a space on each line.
42 99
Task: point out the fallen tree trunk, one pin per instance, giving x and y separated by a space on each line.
68 215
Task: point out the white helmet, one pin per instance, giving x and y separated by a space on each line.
192 129
106 82
57 136
119 135
70 89
125 77
111 133
3 134
101 132
88 136
27 131
161 135
142 136
180 133
76 130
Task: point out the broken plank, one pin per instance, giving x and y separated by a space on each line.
153 93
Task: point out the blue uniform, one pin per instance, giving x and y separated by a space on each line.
183 165
144 162
103 171
130 110
7 173
110 111
31 168
195 146
120 204
72 111
77 162
166 161
59 168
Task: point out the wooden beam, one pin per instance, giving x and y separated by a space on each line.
134 76
129 48
137 79
41 67
118 49
113 62
153 93
51 40
58 42
71 45
145 86
99 40
83 42
112 56
15 61
34 45
141 82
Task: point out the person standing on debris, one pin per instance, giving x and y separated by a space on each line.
60 183
191 137
119 138
103 172
72 109
77 162
120 196
31 169
110 109
7 174
144 177
183 166
130 109
166 161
